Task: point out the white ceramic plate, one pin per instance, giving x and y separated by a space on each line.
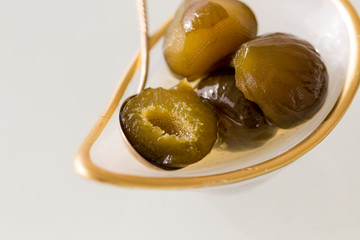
333 27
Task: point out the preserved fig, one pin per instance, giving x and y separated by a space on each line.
170 128
284 75
204 32
242 124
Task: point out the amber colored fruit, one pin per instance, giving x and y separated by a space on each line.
242 124
170 128
284 75
203 33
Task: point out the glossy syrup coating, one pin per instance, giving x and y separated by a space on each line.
284 75
170 128
203 34
242 124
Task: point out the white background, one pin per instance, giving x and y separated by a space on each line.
59 63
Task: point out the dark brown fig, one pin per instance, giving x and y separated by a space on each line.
242 124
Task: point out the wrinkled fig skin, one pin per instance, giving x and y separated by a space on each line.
242 124
170 128
204 33
284 75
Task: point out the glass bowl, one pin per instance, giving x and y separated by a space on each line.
333 27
